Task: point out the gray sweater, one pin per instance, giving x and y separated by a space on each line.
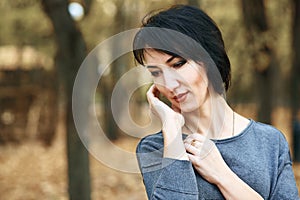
259 156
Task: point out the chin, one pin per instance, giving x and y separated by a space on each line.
188 108
190 105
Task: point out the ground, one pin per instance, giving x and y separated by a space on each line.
31 171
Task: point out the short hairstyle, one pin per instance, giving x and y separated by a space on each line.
193 23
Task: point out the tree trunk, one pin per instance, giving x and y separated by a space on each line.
262 57
295 81
118 68
71 52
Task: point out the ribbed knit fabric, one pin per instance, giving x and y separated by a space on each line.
259 156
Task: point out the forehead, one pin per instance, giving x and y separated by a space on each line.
155 56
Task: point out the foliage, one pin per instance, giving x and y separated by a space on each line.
23 22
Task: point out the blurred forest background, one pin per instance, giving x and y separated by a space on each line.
42 48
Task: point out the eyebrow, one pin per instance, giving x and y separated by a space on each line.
151 67
171 58
168 61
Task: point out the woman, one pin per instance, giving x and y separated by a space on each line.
205 150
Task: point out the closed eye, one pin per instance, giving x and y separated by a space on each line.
154 70
179 64
156 73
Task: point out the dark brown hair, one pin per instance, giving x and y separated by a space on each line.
193 23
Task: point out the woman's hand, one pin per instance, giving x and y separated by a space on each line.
205 157
209 163
168 116
172 123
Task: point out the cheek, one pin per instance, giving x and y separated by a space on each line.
199 85
199 79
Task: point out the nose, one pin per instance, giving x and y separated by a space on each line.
170 81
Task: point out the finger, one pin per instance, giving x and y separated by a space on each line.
192 149
155 101
176 109
150 95
194 159
155 91
190 140
150 91
196 136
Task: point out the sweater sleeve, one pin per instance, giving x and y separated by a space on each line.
285 187
165 178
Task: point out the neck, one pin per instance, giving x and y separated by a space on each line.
214 119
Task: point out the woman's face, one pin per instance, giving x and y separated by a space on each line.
183 82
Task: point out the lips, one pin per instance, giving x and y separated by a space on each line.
180 97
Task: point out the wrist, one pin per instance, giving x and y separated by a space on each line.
173 121
223 180
171 132
232 187
171 127
173 143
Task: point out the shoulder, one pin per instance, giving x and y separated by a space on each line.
150 143
269 131
270 135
